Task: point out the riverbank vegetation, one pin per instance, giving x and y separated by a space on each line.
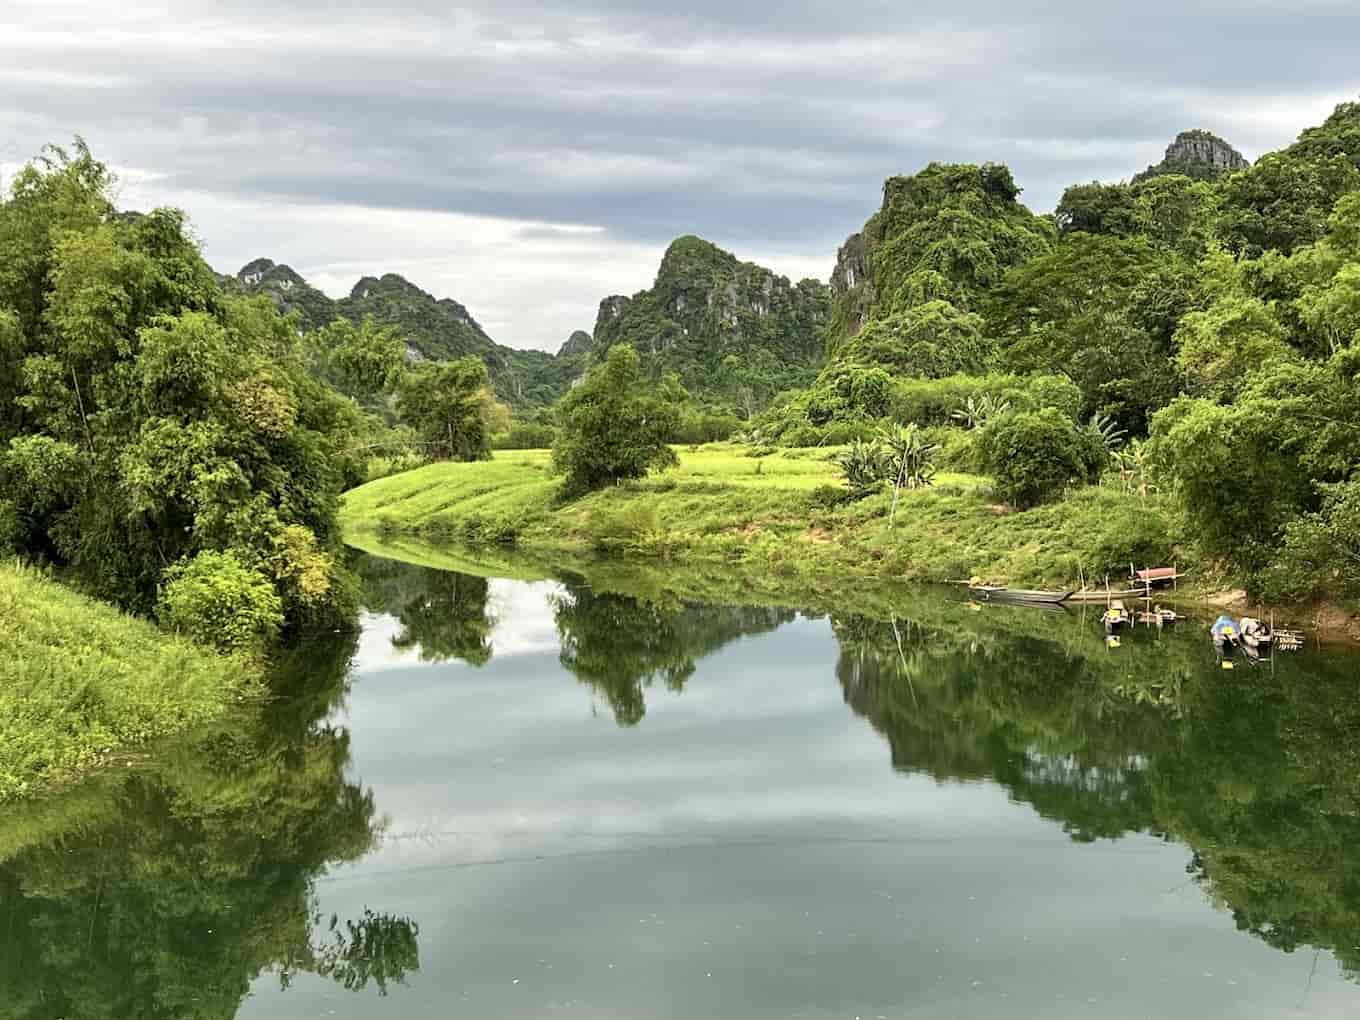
82 684
785 512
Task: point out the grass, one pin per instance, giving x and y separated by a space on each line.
82 685
782 513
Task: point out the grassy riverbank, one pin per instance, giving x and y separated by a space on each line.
780 513
81 684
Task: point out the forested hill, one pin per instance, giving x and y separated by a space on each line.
732 330
435 329
944 236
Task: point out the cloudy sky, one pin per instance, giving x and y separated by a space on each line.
530 158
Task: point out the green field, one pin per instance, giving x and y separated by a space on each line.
776 512
81 684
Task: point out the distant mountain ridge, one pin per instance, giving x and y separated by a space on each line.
732 330
437 329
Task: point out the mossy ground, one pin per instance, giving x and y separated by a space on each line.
81 684
780 513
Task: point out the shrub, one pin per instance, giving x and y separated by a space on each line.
957 449
828 497
525 436
1035 455
935 401
802 435
1321 550
217 601
865 467
842 432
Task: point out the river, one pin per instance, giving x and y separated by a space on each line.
528 799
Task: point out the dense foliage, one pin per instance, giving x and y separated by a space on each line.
447 403
615 425
1209 306
1033 456
145 416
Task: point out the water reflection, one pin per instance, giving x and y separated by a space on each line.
444 615
169 889
1259 776
165 890
620 645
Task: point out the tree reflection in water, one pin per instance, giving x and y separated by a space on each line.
444 614
164 890
620 645
1259 774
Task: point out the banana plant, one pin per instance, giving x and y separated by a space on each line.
910 459
979 409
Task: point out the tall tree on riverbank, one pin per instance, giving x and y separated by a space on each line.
614 426
448 404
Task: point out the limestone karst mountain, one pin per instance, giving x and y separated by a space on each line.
1197 154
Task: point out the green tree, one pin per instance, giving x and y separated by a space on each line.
1247 469
1033 456
145 416
363 361
614 425
447 405
930 340
1102 310
1221 346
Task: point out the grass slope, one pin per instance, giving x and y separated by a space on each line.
81 683
772 513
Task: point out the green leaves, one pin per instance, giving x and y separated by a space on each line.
447 404
614 425
1033 456
216 600
144 415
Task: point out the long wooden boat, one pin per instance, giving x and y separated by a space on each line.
1000 593
1100 595
1156 575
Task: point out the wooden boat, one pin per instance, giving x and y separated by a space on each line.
1156 575
1092 595
1000 593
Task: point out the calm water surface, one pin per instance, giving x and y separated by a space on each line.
530 800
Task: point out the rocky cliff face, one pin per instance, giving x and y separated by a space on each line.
1198 154
852 284
710 315
288 290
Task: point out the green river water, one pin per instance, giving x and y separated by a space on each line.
512 799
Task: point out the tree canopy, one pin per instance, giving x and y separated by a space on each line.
146 416
615 425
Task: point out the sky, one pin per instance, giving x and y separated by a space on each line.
529 159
